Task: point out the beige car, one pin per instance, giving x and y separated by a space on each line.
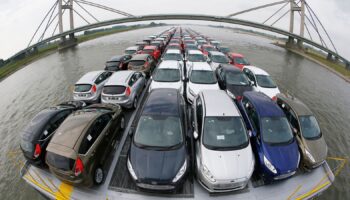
312 145
77 152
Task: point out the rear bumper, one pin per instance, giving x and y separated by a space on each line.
127 103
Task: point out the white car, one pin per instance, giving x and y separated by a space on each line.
215 43
224 156
168 74
194 56
200 77
89 87
132 50
215 58
261 81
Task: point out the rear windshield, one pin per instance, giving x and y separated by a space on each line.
130 51
114 89
148 50
241 61
196 58
137 62
113 64
59 162
220 59
82 87
172 56
309 127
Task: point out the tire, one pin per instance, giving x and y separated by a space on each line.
134 104
122 123
99 176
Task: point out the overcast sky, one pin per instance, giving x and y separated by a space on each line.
20 18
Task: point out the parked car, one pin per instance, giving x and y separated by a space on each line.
141 44
261 81
205 48
275 146
132 50
311 142
79 150
124 88
89 87
173 54
168 74
237 60
215 58
215 43
117 63
200 77
37 135
224 49
224 156
159 44
152 50
174 46
143 63
190 47
160 143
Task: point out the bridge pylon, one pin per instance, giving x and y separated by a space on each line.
295 8
71 40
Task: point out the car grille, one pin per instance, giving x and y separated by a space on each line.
283 176
155 187
228 186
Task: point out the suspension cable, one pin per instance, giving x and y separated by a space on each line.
86 10
276 12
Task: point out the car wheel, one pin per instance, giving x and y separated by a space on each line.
135 103
99 176
122 123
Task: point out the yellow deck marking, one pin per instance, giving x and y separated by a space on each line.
64 191
314 190
294 192
39 185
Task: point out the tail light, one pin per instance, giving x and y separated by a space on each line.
79 167
128 91
93 89
274 98
37 151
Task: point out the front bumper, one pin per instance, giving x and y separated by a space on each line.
221 185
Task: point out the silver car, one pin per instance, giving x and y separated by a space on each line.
224 157
89 87
124 88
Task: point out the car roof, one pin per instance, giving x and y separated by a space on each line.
177 51
140 57
264 106
216 53
163 101
235 54
119 77
116 58
169 64
89 78
150 47
298 106
132 48
256 70
229 67
194 52
218 103
201 66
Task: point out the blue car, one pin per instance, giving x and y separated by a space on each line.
272 138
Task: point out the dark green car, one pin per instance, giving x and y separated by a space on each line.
312 145
77 152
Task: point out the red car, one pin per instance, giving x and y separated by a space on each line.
237 60
152 50
205 48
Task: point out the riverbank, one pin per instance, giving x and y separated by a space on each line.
332 66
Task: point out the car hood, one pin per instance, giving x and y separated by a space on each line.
155 84
317 148
196 88
238 90
271 92
156 165
285 158
229 165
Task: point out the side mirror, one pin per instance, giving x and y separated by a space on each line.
250 133
151 77
131 132
195 135
252 83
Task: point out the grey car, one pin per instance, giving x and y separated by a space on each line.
124 88
89 87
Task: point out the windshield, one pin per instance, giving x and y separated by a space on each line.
224 132
167 75
219 59
224 49
241 61
202 77
196 58
137 62
148 50
172 56
276 130
309 127
113 64
209 49
265 81
82 88
236 78
158 131
130 52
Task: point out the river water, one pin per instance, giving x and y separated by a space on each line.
49 81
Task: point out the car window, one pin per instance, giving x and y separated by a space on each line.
251 112
100 78
93 132
54 123
132 80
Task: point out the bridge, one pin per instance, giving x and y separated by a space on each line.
294 7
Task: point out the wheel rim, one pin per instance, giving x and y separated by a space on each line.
98 175
122 123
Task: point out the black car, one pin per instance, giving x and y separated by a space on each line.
158 157
36 136
117 63
233 80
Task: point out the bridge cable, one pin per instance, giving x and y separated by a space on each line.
313 23
48 24
257 8
105 8
307 5
275 12
86 10
280 18
76 12
54 5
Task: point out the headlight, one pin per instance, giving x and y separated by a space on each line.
181 172
309 156
207 173
269 165
230 94
131 170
